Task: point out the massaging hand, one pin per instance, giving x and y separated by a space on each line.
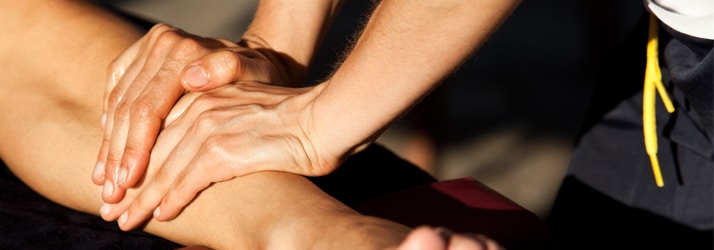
231 131
145 82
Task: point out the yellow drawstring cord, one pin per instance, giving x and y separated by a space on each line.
653 80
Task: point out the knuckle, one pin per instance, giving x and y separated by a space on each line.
168 33
214 146
105 143
160 27
141 203
104 150
229 61
227 57
255 108
186 47
173 202
207 120
162 77
167 38
189 43
122 111
113 100
142 109
179 186
113 159
131 150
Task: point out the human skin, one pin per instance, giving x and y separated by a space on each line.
50 123
144 82
138 84
405 50
51 108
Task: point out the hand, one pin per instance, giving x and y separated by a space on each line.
148 78
230 131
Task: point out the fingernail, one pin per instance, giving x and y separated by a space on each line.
108 189
157 212
122 176
195 76
122 219
105 209
98 171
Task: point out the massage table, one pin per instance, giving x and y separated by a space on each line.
374 182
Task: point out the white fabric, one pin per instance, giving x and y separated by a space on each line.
691 17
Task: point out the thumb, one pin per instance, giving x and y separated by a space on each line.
223 67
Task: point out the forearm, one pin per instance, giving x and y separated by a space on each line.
51 123
405 50
293 29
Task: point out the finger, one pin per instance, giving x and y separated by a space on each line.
115 134
124 69
180 107
180 195
111 128
146 118
142 207
166 142
198 175
150 197
152 106
226 66
117 70
204 165
170 137
131 213
116 91
123 110
111 192
98 172
118 67
136 55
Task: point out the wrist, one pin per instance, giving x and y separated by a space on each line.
334 130
292 73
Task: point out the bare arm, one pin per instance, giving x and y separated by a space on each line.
405 50
50 108
295 29
148 78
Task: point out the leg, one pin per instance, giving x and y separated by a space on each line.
51 106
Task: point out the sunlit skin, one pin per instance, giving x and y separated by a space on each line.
51 119
296 130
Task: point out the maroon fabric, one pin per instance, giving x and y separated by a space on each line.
464 205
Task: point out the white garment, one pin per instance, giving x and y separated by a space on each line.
691 17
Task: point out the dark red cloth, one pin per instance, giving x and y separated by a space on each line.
464 205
